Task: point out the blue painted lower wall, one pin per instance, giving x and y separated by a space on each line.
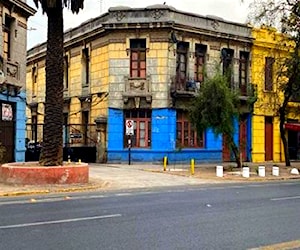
163 141
20 123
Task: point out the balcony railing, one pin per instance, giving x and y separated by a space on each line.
183 87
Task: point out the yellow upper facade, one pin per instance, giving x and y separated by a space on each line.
270 49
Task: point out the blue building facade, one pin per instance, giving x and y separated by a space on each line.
13 125
163 141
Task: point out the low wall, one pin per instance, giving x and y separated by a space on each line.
30 173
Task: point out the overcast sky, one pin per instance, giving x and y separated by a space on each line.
232 10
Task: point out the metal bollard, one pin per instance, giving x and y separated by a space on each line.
192 166
165 163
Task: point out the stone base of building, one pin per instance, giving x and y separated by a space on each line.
30 173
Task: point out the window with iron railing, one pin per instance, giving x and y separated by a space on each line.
7 33
243 72
181 64
227 60
200 54
186 134
138 58
85 126
142 128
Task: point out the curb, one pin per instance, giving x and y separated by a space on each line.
58 190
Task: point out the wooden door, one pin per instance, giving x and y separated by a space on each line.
268 138
7 139
225 150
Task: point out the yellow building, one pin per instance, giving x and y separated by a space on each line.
269 50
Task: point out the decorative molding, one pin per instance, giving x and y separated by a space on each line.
157 14
119 15
22 25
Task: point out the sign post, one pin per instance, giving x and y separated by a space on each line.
129 133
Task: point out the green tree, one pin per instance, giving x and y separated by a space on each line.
52 150
285 15
216 106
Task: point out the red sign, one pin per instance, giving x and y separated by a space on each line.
129 127
292 126
129 123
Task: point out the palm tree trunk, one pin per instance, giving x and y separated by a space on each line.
52 150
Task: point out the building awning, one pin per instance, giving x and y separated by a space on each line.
292 126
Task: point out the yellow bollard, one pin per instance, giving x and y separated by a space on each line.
165 163
69 159
192 166
79 161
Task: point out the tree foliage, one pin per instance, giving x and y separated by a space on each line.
216 107
73 5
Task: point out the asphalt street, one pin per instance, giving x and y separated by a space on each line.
232 216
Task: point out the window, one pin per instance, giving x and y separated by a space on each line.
85 66
243 72
34 128
227 60
66 129
138 58
142 128
269 62
186 134
66 72
34 74
85 125
181 64
200 53
7 33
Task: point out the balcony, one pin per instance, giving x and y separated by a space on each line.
184 87
137 90
246 91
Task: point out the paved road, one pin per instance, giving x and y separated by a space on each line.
209 217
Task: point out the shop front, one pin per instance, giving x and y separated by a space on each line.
293 130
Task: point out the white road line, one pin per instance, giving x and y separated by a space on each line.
60 221
286 198
123 194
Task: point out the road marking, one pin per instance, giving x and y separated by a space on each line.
289 245
123 194
60 221
286 198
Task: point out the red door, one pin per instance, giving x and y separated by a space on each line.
225 150
243 138
7 138
268 138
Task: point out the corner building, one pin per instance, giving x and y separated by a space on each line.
145 66
13 20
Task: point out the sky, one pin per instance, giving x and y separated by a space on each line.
231 10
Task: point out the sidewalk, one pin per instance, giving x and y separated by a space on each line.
121 176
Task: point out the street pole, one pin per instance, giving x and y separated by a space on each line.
129 150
